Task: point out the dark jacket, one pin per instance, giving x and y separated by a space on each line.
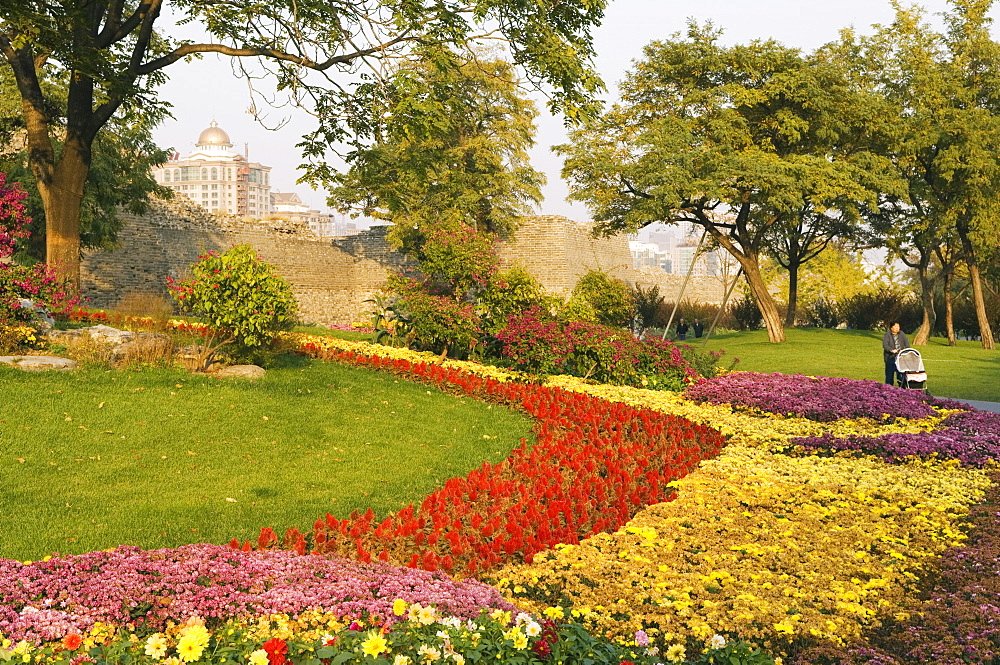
888 345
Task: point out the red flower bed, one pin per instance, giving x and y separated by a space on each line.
595 464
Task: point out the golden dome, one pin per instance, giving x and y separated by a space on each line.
214 136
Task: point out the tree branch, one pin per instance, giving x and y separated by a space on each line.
274 54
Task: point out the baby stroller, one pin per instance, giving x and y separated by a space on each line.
910 366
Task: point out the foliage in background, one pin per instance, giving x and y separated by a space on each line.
647 307
608 298
112 60
241 298
540 343
119 175
443 143
873 310
758 129
745 314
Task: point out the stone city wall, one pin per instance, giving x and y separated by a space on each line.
331 280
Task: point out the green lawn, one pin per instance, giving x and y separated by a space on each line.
964 371
93 459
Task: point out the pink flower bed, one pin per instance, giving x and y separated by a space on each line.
46 600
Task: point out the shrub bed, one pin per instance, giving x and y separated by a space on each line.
957 617
823 399
971 437
594 464
46 600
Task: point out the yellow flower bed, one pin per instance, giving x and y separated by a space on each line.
763 546
757 545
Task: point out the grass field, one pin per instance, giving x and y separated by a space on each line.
965 371
93 459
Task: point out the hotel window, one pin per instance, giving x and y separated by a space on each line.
215 186
204 174
204 188
215 173
215 195
166 176
177 175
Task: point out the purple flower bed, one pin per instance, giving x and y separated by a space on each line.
972 437
821 399
958 623
46 600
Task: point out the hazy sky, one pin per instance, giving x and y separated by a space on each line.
207 89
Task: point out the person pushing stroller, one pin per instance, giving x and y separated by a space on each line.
893 342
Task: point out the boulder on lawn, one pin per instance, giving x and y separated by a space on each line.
242 371
39 363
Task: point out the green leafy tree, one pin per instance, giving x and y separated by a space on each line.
111 54
939 124
242 299
509 292
735 140
445 141
607 297
119 176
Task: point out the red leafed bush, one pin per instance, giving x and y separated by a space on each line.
595 464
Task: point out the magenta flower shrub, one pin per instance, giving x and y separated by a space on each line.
14 219
821 399
46 600
971 437
538 343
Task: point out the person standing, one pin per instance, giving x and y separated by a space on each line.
699 327
682 330
893 342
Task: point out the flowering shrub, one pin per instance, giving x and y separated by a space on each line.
240 297
431 322
538 343
45 600
459 256
818 398
971 437
14 219
594 464
38 283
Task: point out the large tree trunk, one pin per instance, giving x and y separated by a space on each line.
927 301
768 308
793 293
949 312
61 199
985 331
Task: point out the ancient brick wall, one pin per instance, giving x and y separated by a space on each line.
331 280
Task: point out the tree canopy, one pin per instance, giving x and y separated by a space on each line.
738 140
443 141
939 127
119 176
112 54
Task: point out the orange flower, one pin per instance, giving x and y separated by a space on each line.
72 641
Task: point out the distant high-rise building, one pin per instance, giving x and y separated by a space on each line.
288 205
218 179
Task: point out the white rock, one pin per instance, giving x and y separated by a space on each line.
39 363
